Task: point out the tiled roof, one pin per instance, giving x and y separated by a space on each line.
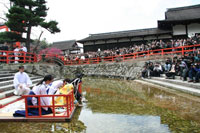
183 13
129 33
65 45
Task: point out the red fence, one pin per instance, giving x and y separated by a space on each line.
17 57
69 106
175 50
10 56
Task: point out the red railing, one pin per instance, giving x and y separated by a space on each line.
69 106
175 50
19 57
9 56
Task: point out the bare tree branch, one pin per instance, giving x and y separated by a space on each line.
4 5
38 42
4 19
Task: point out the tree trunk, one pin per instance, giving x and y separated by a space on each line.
35 50
28 39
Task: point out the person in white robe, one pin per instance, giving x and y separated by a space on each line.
22 82
34 100
16 53
41 89
24 48
55 85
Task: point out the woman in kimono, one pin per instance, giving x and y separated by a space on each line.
56 85
39 89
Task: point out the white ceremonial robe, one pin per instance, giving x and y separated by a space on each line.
41 90
16 50
24 49
22 83
54 87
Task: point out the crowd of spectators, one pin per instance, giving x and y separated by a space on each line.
150 45
187 67
16 55
3 47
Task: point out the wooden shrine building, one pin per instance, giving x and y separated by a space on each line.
67 47
179 23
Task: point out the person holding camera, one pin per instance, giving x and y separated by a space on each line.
157 70
194 73
167 65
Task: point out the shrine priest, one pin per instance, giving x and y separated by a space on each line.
22 82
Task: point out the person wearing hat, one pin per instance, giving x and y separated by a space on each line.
22 82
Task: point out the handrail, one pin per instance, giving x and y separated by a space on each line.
69 105
15 57
7 56
175 50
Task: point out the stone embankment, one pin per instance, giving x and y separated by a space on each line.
6 86
123 70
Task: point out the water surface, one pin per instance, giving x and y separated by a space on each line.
124 106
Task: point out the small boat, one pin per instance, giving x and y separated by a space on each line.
61 113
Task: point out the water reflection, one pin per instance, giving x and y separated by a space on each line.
37 127
180 113
117 123
124 106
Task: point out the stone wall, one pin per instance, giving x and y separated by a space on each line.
111 70
124 70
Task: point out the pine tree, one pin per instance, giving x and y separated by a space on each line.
25 14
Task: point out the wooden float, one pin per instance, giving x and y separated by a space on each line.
8 117
54 117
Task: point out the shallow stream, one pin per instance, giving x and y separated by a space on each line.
124 106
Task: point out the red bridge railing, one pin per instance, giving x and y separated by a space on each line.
10 56
175 50
19 57
69 106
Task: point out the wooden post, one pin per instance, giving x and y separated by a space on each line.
183 51
24 56
7 57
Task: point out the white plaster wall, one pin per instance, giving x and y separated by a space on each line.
193 28
179 30
164 36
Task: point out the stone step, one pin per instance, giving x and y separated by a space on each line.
8 100
178 82
6 74
6 78
182 88
6 94
10 93
10 87
163 75
10 78
5 99
8 82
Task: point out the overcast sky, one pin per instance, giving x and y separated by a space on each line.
79 18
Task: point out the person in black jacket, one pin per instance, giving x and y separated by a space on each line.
4 47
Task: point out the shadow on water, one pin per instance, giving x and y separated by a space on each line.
45 127
124 106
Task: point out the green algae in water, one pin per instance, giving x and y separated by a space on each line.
123 106
123 97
